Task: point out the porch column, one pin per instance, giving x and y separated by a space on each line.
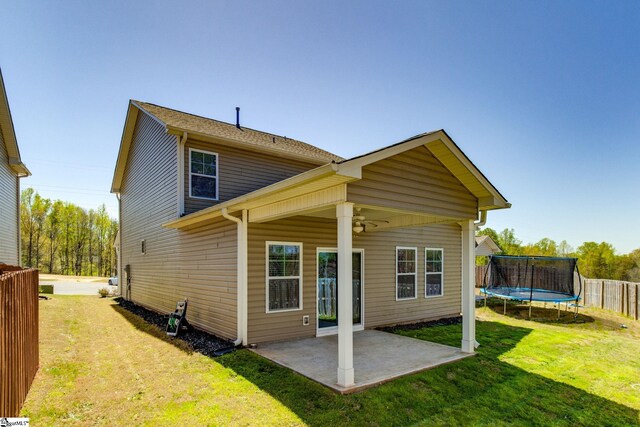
344 215
468 287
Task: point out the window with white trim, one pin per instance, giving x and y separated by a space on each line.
406 272
433 272
284 276
203 174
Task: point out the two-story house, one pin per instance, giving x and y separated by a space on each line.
271 239
11 170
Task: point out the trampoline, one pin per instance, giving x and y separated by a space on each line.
533 278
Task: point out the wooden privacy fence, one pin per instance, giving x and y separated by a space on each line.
18 336
480 271
615 295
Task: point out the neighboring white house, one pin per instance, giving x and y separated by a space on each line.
485 246
11 170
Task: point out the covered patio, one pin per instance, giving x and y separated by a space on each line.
423 181
378 357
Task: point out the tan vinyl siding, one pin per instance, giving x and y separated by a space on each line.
416 181
381 307
239 172
283 325
199 264
9 221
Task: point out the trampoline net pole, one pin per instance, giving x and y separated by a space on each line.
579 291
533 270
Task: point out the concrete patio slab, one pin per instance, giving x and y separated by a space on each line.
378 357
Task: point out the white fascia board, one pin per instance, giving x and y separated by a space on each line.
387 152
496 201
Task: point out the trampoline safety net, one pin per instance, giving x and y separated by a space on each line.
532 278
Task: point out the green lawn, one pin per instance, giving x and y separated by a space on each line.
101 365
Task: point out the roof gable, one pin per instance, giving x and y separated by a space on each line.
413 180
446 152
9 135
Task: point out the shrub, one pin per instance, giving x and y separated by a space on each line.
104 292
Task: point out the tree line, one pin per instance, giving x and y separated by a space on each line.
595 260
63 238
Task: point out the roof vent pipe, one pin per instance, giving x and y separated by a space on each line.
238 117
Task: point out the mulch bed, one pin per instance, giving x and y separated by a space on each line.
413 326
201 342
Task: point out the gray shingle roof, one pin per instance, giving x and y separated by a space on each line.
248 137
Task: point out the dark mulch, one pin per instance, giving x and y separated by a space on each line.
413 326
201 342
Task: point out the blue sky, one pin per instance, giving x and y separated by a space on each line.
543 96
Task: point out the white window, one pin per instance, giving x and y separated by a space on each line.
406 265
433 272
203 174
284 276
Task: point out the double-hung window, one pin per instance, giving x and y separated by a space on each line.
434 272
203 174
406 271
284 276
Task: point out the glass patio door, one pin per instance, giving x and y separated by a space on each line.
327 280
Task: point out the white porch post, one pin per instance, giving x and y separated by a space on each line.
468 287
344 215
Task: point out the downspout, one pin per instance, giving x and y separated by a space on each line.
121 283
482 221
241 275
181 141
478 224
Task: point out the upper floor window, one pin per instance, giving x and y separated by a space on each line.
203 174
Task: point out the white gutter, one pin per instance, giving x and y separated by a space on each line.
242 315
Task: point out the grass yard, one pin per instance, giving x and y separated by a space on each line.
101 365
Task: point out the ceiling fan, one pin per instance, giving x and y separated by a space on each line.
360 223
